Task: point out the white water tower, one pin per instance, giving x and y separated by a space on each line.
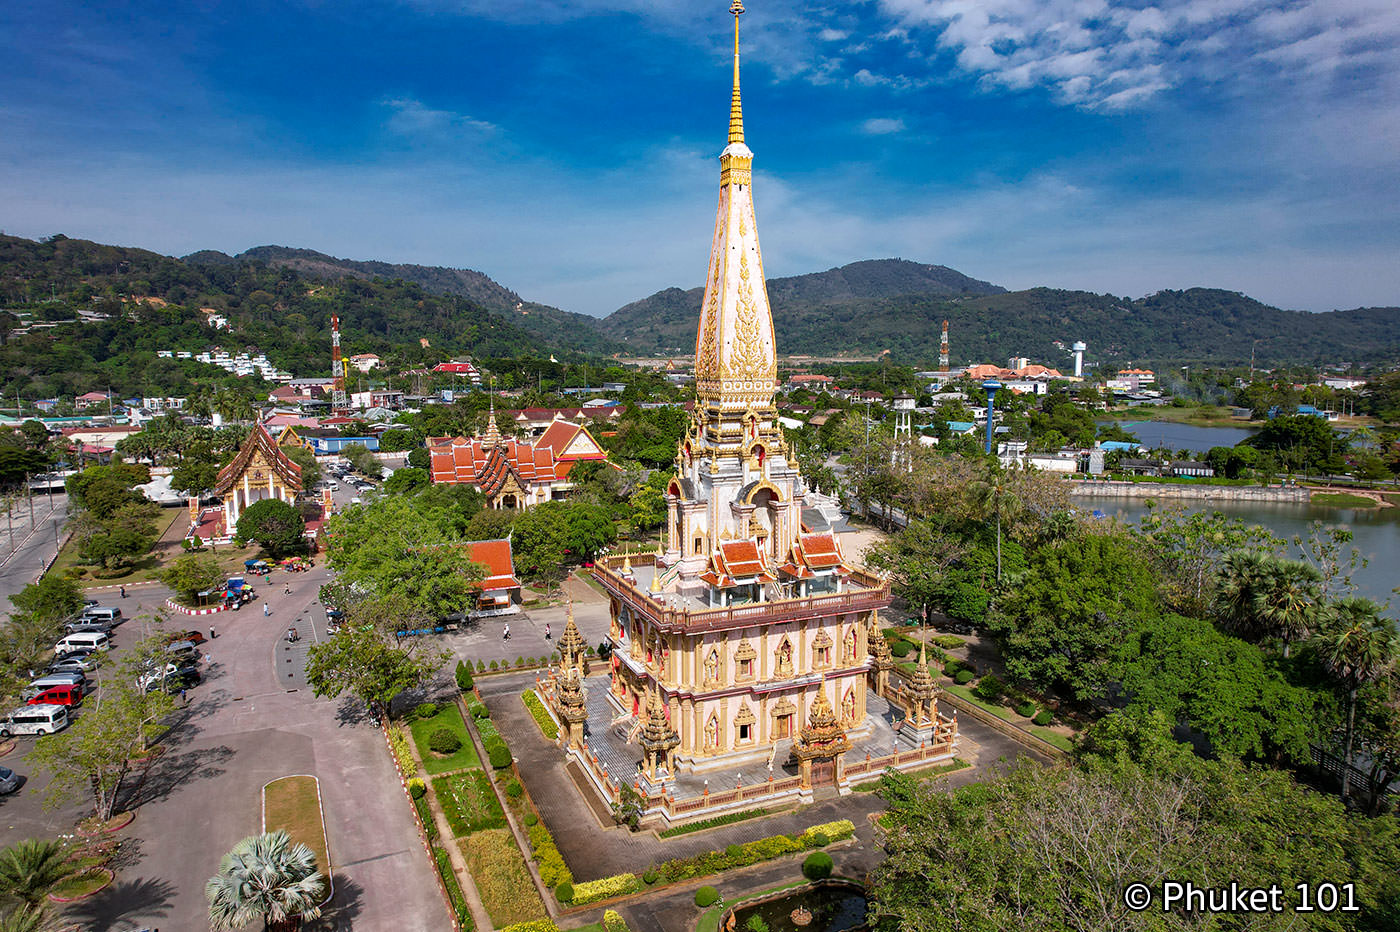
1078 349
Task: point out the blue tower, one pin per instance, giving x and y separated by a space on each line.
991 386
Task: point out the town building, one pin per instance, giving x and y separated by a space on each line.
499 592
365 362
749 640
514 473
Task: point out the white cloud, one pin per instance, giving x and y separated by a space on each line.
414 119
882 126
1108 53
832 35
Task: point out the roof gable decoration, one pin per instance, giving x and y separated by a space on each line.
260 450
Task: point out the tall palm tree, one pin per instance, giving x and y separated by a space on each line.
996 498
265 877
1290 603
24 919
1360 648
30 869
1239 597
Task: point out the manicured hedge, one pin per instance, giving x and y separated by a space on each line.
403 754
443 740
553 871
534 925
964 677
1026 709
548 727
706 897
592 891
612 922
729 818
818 866
1043 717
454 889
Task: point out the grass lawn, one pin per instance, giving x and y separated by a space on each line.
450 717
468 802
1344 500
709 920
501 877
293 804
1053 737
1000 711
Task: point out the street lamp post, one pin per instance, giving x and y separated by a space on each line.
990 386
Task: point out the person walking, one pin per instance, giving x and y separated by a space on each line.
287 589
123 588
184 699
505 635
547 635
212 635
266 611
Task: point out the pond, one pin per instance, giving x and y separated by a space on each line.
836 906
1184 436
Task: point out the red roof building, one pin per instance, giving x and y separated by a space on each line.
499 592
512 473
260 471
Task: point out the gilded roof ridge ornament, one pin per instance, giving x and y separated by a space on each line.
736 108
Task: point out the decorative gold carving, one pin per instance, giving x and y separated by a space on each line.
745 716
745 651
747 362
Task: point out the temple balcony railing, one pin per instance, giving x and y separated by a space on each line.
869 592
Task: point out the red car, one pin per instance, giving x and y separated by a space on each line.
191 635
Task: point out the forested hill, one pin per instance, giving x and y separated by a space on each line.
849 310
545 322
666 321
279 311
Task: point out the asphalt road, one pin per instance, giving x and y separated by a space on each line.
248 723
24 551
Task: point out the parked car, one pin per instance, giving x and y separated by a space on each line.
87 624
80 662
104 613
50 680
34 720
9 781
91 640
191 635
58 695
170 680
182 649
90 603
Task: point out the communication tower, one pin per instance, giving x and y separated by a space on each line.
337 367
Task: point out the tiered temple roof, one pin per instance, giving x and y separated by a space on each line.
487 461
259 441
823 735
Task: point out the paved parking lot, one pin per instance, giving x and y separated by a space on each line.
246 724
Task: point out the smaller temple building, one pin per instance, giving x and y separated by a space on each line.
512 473
499 592
261 470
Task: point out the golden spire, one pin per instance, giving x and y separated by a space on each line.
736 109
493 433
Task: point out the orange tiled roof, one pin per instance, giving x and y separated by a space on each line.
496 556
259 439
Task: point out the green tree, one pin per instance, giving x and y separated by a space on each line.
362 459
192 574
406 480
277 527
265 878
52 598
31 869
1291 601
419 458
996 497
310 469
1189 549
194 476
1077 601
362 661
1358 648
918 559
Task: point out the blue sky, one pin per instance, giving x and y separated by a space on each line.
568 148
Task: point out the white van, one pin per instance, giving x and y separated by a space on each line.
83 640
112 616
34 720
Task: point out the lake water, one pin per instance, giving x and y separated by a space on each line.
1376 532
1183 436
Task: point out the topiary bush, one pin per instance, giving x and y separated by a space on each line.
464 676
531 819
564 893
964 677
426 709
817 866
481 666
706 896
498 754
650 876
990 688
820 840
1043 717
951 668
1026 709
514 790
443 740
901 648
416 788
495 665
520 661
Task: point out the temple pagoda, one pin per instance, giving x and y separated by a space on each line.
738 628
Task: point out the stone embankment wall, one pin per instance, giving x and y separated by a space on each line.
1169 490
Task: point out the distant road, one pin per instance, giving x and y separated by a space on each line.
26 550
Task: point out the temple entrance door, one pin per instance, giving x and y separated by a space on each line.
824 772
784 727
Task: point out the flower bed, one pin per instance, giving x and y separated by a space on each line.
468 802
605 888
506 889
612 922
403 754
533 925
448 717
548 726
553 870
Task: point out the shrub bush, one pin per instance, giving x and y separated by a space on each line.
426 710
532 925
564 893
594 890
964 677
1043 717
520 661
990 688
478 709
839 830
416 788
514 790
817 866
1026 709
403 754
949 641
464 676
650 876
531 819
951 668
495 665
734 851
612 922
499 755
820 840
901 648
706 897
481 666
443 740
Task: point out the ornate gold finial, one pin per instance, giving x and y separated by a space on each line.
493 433
736 109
